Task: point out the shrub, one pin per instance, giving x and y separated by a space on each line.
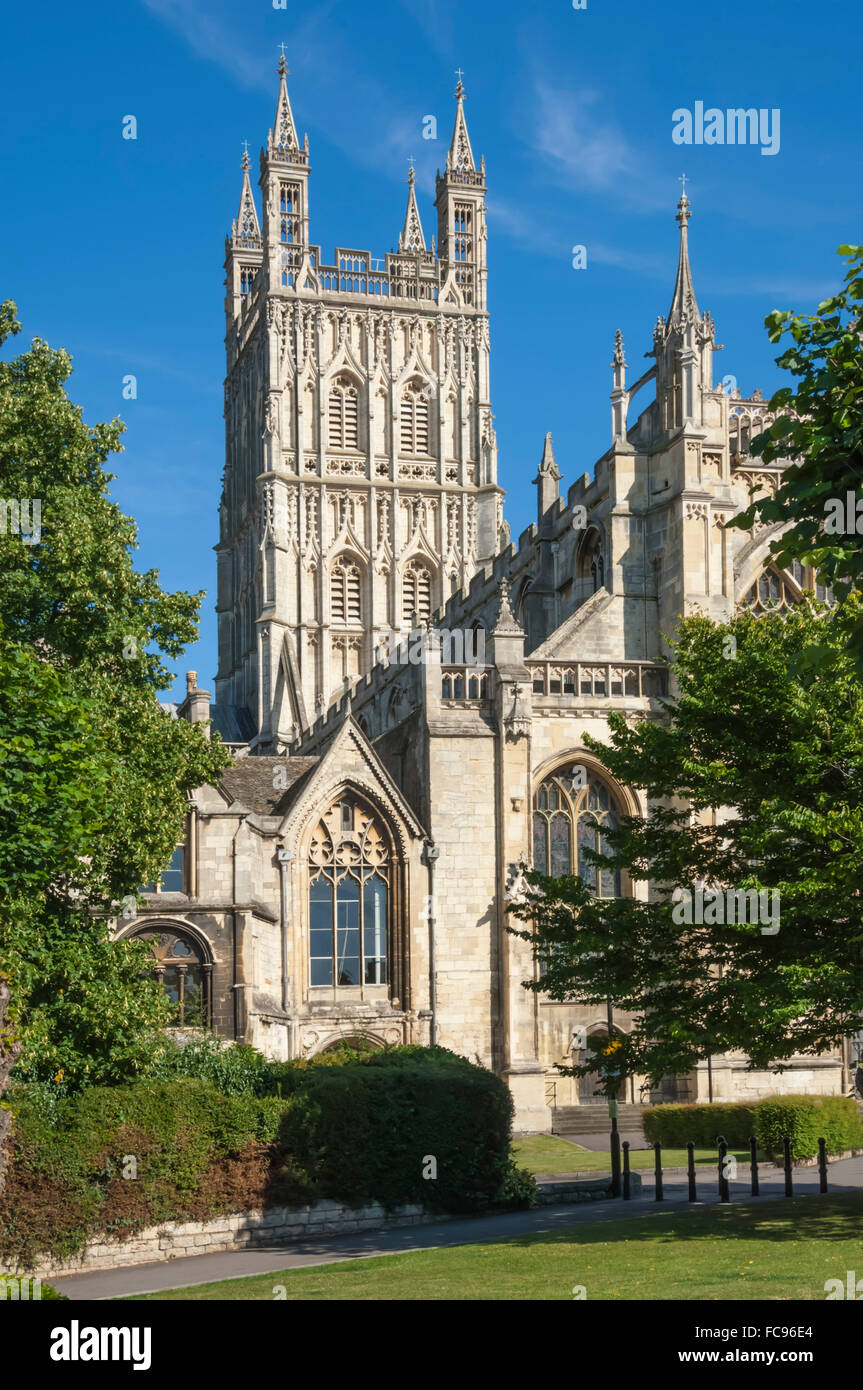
806 1119
677 1125
357 1131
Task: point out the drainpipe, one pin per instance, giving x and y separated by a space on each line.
284 857
432 854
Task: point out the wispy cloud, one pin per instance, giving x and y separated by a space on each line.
382 131
212 37
542 232
579 140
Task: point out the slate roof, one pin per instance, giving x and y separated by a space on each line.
233 722
251 782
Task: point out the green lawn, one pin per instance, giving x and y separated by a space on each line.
781 1250
543 1153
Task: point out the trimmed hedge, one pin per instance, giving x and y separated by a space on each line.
806 1119
356 1132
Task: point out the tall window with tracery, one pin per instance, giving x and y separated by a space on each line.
289 200
416 591
414 419
571 814
779 590
350 868
178 964
591 563
343 419
462 229
345 590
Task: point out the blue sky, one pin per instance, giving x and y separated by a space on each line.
114 248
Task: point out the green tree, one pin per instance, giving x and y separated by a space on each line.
819 426
94 773
779 742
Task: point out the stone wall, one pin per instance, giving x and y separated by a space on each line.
240 1231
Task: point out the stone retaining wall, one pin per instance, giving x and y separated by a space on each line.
240 1231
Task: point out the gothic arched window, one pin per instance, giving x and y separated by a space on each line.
345 590
415 419
778 590
572 810
349 897
180 966
416 591
343 431
289 202
590 567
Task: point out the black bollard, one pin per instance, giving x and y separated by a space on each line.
690 1170
753 1164
789 1188
657 1169
627 1193
615 1158
822 1165
724 1194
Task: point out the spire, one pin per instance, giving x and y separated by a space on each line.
412 238
547 464
546 480
683 302
460 160
283 137
246 229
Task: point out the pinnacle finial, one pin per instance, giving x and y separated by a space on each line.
283 69
506 620
459 91
411 174
619 358
683 213
245 160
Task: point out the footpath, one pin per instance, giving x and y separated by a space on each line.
844 1176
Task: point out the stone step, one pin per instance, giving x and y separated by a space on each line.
594 1119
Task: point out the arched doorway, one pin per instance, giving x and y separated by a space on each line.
181 966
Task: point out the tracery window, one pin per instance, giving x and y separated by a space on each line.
591 563
181 969
288 207
774 591
462 228
572 811
345 588
414 419
416 591
349 897
343 432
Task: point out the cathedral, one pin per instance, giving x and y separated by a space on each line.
404 689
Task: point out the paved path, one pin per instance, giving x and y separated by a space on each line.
844 1176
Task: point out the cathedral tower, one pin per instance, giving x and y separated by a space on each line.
360 485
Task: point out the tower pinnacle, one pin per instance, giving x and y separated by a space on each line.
683 302
283 137
412 238
460 159
246 230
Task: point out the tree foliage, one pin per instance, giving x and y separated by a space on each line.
94 773
780 742
819 426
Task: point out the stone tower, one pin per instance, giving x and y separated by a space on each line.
360 486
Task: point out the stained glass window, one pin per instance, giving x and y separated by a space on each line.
349 895
571 813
